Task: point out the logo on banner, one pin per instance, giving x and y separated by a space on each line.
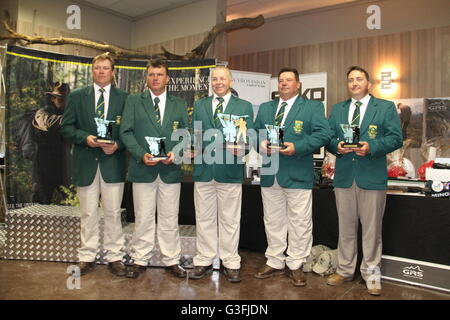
413 272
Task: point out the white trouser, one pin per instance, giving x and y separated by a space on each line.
165 199
111 198
218 217
288 223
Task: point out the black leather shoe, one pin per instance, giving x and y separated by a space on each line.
232 275
135 271
117 268
85 267
200 271
176 270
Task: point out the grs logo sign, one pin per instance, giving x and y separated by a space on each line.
413 272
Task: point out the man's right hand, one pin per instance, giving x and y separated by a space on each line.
147 160
343 150
263 147
91 142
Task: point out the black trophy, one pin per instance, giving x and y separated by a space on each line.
275 137
157 148
351 136
104 131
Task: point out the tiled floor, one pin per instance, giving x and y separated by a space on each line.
48 280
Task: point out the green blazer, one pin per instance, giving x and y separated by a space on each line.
221 172
380 127
139 121
78 123
307 128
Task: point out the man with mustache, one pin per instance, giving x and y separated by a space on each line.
360 178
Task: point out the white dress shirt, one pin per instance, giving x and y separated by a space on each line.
105 97
362 109
288 107
162 103
215 102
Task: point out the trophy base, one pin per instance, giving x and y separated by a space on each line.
236 146
103 140
276 147
351 145
159 158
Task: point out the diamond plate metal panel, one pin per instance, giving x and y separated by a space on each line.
52 233
47 233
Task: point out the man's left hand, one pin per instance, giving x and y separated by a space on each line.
170 160
364 150
289 151
109 148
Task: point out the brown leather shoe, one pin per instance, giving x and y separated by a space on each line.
117 268
176 270
200 271
85 267
336 279
135 271
267 272
373 287
232 275
298 277
374 292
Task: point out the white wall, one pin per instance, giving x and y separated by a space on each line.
95 24
339 23
188 20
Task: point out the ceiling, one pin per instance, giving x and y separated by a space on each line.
137 9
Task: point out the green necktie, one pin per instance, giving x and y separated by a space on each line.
280 114
355 118
157 113
100 108
219 109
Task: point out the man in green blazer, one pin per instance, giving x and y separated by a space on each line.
156 115
218 176
360 178
98 168
287 180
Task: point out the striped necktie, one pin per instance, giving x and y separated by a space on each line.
100 108
157 113
280 114
219 109
356 113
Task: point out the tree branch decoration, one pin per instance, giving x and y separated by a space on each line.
196 54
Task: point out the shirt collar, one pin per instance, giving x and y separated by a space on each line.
161 97
107 88
364 101
226 98
289 102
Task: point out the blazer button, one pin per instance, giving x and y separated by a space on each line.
96 159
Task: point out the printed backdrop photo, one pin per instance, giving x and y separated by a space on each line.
37 157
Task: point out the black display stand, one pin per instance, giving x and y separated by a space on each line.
413 227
